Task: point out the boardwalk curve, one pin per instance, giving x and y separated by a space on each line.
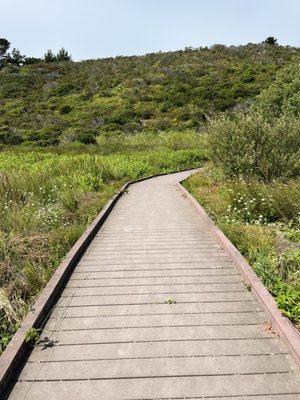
155 309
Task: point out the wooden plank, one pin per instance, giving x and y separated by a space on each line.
231 347
207 387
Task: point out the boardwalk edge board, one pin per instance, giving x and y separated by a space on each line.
11 360
279 324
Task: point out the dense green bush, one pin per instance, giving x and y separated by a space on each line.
249 145
46 136
7 137
282 96
79 134
65 109
264 140
87 137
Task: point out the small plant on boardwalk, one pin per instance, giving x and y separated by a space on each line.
169 300
32 336
248 286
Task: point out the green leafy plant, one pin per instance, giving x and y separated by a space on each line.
170 300
32 336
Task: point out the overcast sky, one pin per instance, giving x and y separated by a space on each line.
104 28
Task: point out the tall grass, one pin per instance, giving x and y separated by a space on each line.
47 197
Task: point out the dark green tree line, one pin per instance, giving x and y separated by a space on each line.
16 58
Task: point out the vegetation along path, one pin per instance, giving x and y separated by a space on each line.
155 309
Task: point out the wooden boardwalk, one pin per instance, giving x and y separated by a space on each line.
155 309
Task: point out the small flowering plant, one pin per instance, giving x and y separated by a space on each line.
250 206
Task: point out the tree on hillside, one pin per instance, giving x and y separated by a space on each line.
63 55
49 56
271 40
15 57
32 60
4 46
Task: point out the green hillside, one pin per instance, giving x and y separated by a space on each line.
62 102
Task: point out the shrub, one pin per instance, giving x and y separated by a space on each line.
283 96
121 116
156 92
48 135
248 145
270 40
65 109
264 140
7 137
87 137
77 134
281 276
62 89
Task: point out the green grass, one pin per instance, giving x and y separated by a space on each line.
48 197
263 221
